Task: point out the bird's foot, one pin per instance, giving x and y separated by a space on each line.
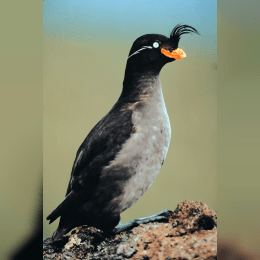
162 216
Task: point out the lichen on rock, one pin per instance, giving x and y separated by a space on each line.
191 232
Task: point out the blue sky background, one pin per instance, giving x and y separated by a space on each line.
123 21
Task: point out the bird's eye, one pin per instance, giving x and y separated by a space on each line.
155 44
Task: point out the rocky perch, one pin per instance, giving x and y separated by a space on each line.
190 233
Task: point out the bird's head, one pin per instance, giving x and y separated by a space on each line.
155 50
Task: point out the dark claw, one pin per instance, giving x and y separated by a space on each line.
162 216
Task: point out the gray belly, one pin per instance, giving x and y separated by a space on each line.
144 152
149 150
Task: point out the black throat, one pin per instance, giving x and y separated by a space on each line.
140 79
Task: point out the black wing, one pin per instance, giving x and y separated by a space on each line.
99 148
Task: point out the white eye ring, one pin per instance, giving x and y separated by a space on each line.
155 44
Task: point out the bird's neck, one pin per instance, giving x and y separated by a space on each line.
140 82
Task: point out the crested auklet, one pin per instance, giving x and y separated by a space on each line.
122 155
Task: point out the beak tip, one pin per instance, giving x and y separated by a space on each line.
176 54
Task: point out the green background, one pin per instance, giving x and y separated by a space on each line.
238 120
85 48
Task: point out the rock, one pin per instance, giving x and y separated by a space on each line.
125 250
190 233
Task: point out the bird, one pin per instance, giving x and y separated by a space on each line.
124 152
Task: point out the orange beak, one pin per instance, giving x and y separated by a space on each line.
176 54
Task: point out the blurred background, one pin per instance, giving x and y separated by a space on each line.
239 127
86 44
237 116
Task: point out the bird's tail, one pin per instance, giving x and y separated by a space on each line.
64 205
59 233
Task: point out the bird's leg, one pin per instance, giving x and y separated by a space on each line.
162 216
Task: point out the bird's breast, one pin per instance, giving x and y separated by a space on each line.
143 154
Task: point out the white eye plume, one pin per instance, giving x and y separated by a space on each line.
155 44
143 48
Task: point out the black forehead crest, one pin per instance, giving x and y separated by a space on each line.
179 30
